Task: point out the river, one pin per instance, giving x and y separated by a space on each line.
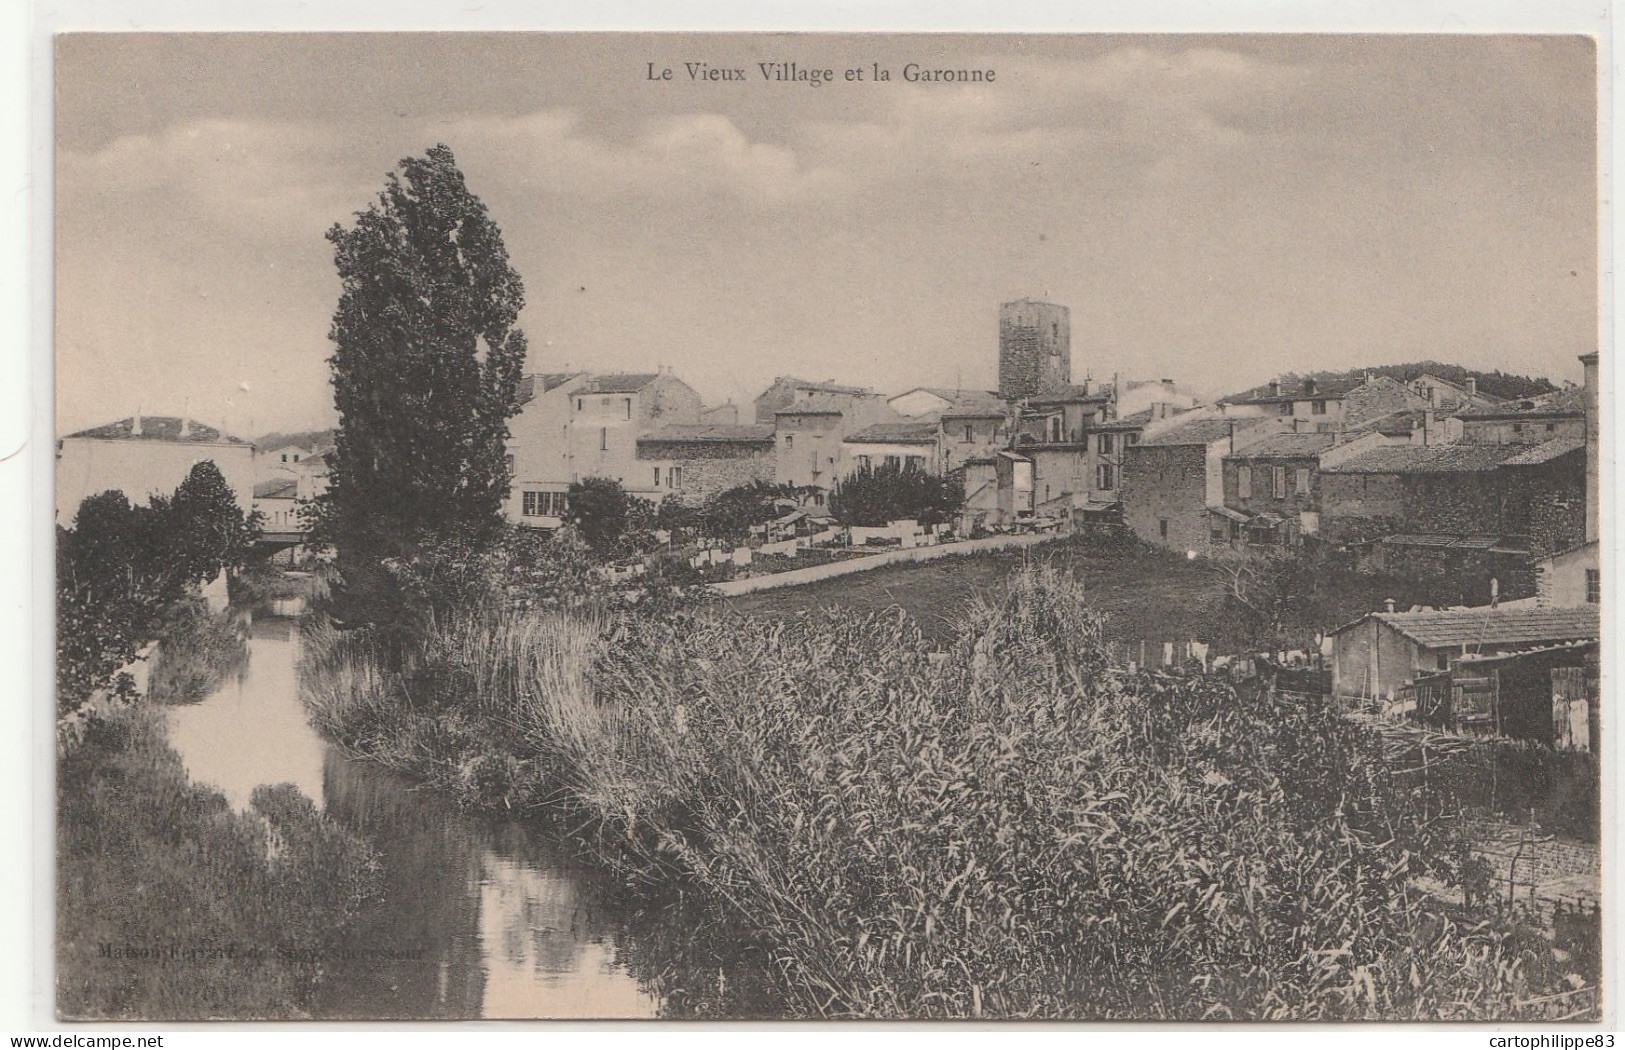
479 917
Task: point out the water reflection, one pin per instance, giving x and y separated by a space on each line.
478 917
251 729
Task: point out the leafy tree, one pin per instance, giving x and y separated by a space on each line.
730 514
209 530
121 568
874 496
600 510
426 368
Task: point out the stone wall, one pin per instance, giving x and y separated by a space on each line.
1167 483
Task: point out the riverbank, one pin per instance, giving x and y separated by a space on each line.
1002 826
171 905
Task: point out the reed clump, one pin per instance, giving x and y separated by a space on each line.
1011 827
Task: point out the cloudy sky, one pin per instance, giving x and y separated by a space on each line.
1213 209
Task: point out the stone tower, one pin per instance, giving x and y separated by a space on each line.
1035 347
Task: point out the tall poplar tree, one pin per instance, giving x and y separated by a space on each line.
426 368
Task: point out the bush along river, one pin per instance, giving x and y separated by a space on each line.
473 916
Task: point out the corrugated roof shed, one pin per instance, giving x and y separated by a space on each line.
1450 628
159 428
1427 459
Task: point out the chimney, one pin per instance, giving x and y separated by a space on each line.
186 428
1275 388
1232 435
1388 605
135 424
1309 387
1472 386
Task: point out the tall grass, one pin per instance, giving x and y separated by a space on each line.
1011 827
172 906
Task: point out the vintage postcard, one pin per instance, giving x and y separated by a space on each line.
1082 527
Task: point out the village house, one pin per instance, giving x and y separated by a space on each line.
1273 486
911 445
698 461
539 449
788 390
1324 403
145 456
1530 421
810 432
1173 478
1380 653
973 423
608 415
1533 496
276 501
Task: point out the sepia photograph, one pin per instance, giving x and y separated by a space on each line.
1075 527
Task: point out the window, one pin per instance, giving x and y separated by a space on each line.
603 439
1244 481
892 462
674 477
865 462
657 477
628 407
1055 429
508 459
580 403
915 462
1103 477
1106 445
1280 482
1303 481
1286 409
1055 330
284 457
1442 661
1131 438
970 433
1317 408
1162 527
296 455
1594 586
789 441
543 505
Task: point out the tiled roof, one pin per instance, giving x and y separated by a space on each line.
159 428
724 433
808 407
277 488
1453 541
1426 459
1192 432
1295 388
1285 446
542 382
1445 628
1567 402
1071 392
896 434
618 383
1546 451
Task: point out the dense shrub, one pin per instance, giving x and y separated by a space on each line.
172 906
1009 828
874 496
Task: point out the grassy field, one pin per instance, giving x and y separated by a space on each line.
1141 593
